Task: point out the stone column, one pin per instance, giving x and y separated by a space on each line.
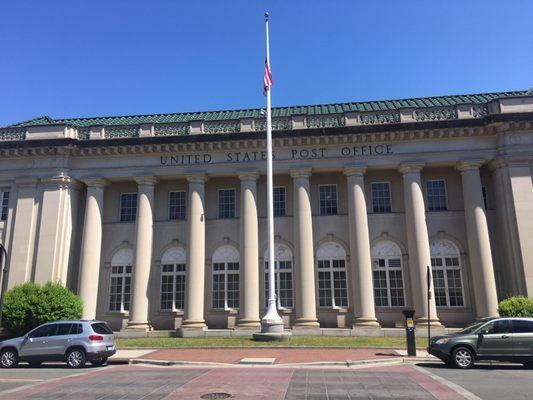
249 251
513 187
480 254
143 254
55 228
303 239
418 244
194 286
91 246
363 296
26 213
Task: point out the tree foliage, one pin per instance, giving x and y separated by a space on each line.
516 306
29 305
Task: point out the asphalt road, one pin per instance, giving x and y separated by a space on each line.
489 382
394 382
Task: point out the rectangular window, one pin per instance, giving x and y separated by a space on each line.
436 195
226 285
381 201
128 207
4 205
328 199
279 201
388 282
447 281
283 281
332 290
172 287
176 205
226 203
120 288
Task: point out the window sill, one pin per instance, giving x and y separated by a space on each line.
115 313
340 310
230 311
175 312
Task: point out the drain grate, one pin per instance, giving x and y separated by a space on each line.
216 396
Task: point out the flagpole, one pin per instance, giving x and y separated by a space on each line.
271 324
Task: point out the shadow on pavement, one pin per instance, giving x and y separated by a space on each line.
54 366
438 365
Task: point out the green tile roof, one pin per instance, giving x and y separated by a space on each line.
319 109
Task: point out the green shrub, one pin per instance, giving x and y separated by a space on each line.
516 306
29 305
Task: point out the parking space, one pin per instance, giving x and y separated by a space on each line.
488 381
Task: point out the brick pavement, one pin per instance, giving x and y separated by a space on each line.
282 355
169 383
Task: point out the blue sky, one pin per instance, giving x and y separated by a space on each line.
119 57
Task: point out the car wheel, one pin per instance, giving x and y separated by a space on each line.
9 358
76 358
463 358
98 362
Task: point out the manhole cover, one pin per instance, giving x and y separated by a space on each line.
215 396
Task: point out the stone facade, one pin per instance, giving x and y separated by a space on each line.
369 201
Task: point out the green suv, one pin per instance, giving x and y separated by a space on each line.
502 339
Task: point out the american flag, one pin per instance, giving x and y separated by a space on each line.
267 78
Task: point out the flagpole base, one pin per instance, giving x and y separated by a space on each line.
272 337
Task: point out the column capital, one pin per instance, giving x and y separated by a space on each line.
304 172
148 180
517 160
411 167
250 175
196 177
61 180
98 182
354 169
469 165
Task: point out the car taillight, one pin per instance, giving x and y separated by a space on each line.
96 337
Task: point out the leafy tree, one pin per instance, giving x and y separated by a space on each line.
29 305
516 306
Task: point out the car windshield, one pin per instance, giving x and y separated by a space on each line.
471 328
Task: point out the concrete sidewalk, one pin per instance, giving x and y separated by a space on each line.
265 356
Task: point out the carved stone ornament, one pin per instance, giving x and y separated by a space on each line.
385 249
226 253
331 251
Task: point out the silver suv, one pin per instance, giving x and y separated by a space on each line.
72 341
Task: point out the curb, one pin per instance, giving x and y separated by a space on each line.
346 363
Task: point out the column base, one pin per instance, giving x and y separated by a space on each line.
306 323
192 328
421 326
247 323
141 326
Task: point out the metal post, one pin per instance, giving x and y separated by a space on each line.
410 332
271 322
428 280
3 266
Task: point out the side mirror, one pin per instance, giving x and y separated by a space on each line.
483 332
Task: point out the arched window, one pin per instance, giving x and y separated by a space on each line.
331 268
387 274
226 277
173 279
447 280
283 276
120 282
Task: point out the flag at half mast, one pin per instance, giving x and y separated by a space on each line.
267 78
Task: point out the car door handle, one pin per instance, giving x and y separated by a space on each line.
505 336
